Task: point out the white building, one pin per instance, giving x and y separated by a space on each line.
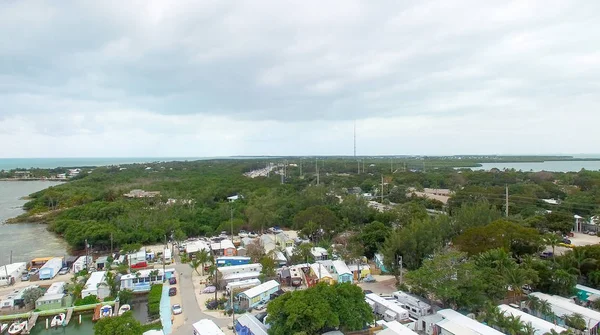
258 294
415 307
319 254
236 277
167 255
249 324
10 272
389 309
206 327
81 263
15 298
223 248
455 323
141 280
236 269
240 285
395 328
51 268
57 288
196 246
541 326
96 285
563 306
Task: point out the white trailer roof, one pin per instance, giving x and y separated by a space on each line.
562 306
320 271
396 328
541 326
341 267
388 304
207 327
466 322
260 289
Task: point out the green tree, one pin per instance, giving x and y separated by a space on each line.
195 264
269 267
552 240
323 217
372 237
125 324
202 257
471 215
319 308
575 321
113 284
30 295
125 296
507 235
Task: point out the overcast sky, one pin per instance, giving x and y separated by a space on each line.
217 78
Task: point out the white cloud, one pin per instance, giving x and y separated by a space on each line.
210 78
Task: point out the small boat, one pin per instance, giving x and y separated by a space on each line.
105 311
3 327
58 320
17 328
123 309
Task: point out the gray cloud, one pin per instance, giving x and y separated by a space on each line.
297 65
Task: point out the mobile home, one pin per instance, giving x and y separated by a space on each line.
93 286
10 272
341 272
15 299
232 260
53 298
455 323
223 248
248 324
320 273
242 285
51 268
562 306
415 307
81 263
389 309
143 279
541 326
258 294
234 269
395 328
206 327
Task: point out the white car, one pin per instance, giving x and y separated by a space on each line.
260 306
177 309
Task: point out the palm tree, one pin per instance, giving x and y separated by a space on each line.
203 257
194 264
576 321
497 259
576 259
552 240
528 329
513 325
533 303
492 315
516 278
111 281
545 310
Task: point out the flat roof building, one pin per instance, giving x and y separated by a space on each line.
563 306
455 323
10 272
91 286
248 324
541 326
206 327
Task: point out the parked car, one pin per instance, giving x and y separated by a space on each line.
296 282
243 233
261 316
172 291
546 254
369 279
177 309
367 291
566 241
566 245
593 233
63 271
275 230
25 277
260 306
172 281
209 289
33 271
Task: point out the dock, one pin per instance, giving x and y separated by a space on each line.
30 323
69 315
97 313
116 309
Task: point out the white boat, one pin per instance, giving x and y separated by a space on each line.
123 309
17 328
58 320
105 311
3 327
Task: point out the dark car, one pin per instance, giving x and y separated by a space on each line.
172 291
566 241
172 281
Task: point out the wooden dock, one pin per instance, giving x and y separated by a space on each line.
30 323
116 309
97 313
69 315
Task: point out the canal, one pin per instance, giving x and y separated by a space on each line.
74 328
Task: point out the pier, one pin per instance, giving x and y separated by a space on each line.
30 323
96 316
69 315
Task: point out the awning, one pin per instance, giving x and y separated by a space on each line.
593 297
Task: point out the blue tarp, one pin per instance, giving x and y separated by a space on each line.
165 310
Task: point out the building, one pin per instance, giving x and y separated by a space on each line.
96 285
455 323
379 263
223 248
137 259
395 328
101 262
587 294
258 294
141 280
10 272
283 240
54 298
39 261
320 274
232 261
193 247
15 298
541 326
562 306
51 268
341 272
248 324
167 256
319 254
236 277
360 271
279 258
415 307
81 263
236 269
267 243
206 327
389 309
578 223
242 285
141 194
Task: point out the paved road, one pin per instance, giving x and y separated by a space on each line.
189 303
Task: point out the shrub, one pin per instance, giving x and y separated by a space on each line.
154 300
90 299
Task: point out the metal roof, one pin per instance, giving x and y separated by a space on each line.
466 322
260 289
541 326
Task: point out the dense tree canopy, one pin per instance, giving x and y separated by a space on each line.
125 324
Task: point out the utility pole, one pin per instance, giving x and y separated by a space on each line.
164 277
111 244
391 166
382 189
358 161
506 209
10 257
399 259
317 169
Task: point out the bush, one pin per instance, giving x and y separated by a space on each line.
125 296
90 299
154 301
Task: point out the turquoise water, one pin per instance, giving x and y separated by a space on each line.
554 166
74 328
165 309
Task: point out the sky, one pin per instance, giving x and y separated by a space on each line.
219 78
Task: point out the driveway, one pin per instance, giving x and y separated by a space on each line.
189 303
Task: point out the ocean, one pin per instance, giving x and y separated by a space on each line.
25 240
49 163
553 166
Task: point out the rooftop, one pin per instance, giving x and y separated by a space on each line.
207 327
10 268
541 326
341 267
320 271
466 322
258 290
224 244
50 297
251 322
562 306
